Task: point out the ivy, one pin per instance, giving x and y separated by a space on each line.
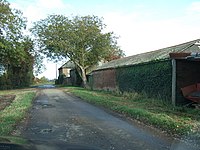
153 78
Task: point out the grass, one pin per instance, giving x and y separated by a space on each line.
160 114
13 139
16 111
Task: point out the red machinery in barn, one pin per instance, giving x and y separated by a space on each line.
192 92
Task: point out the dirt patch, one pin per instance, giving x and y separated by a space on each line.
6 100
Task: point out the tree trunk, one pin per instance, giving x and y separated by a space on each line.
83 76
82 73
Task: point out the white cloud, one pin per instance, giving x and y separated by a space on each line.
141 34
50 71
34 13
50 4
38 9
194 7
16 6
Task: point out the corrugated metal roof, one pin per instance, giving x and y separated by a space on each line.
153 55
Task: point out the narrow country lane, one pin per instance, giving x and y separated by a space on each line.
61 121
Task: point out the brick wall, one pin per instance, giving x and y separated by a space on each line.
104 79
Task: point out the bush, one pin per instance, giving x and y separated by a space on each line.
5 83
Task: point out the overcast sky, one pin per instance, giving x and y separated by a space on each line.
142 25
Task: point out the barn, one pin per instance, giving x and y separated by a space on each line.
160 73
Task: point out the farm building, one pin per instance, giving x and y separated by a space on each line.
65 69
68 74
65 73
160 73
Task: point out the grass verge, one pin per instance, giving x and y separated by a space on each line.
13 139
175 120
16 111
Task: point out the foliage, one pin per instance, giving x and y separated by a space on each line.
19 73
12 25
41 81
81 39
149 111
44 79
153 78
16 50
14 113
5 82
61 78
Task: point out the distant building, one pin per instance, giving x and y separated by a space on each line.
65 69
69 75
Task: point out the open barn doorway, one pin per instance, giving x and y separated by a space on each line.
186 77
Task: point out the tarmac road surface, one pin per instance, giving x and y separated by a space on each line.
59 120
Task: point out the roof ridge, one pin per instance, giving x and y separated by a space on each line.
148 56
177 45
69 65
159 49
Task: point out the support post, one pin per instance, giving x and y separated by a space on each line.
56 72
174 82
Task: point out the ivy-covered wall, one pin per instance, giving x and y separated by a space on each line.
153 78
